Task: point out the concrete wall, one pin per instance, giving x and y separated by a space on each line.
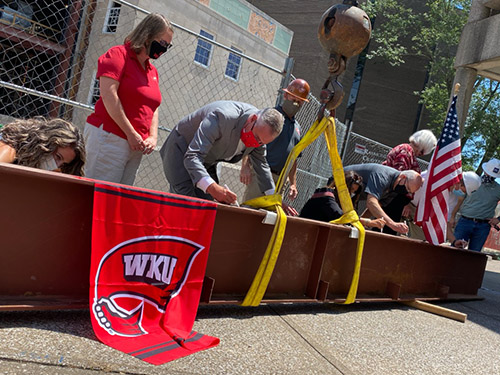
478 51
194 15
480 47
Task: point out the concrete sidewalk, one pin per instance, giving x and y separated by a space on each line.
379 338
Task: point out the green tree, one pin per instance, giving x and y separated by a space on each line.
401 31
481 137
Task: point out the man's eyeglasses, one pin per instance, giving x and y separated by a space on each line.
255 135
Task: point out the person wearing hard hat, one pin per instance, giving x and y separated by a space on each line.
478 209
294 97
470 183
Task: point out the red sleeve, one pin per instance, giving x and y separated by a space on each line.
112 63
399 158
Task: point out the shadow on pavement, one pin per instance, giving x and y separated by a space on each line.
485 312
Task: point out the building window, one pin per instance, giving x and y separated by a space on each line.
233 64
19 14
204 49
94 92
112 16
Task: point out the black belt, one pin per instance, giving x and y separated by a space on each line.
477 220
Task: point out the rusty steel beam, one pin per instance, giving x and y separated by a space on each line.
45 253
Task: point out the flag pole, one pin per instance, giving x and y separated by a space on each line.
457 88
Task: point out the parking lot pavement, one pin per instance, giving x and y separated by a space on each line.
375 338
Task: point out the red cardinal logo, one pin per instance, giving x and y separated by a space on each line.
140 277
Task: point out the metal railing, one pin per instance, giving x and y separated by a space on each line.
21 21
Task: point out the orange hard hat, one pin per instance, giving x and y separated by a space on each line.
299 89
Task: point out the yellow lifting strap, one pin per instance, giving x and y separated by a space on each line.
261 280
274 202
350 216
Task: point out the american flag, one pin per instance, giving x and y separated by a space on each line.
445 170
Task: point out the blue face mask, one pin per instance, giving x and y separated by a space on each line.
459 193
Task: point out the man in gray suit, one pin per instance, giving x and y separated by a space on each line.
219 131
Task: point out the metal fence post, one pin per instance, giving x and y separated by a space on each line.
345 140
287 76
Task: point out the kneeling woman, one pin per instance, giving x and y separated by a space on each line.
324 204
53 145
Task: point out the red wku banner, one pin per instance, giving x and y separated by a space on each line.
149 254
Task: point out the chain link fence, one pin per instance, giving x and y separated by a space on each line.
360 150
49 52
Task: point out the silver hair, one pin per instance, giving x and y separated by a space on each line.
272 118
425 140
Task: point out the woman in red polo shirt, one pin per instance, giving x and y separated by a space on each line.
124 125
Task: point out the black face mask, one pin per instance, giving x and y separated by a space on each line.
290 108
401 190
156 49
